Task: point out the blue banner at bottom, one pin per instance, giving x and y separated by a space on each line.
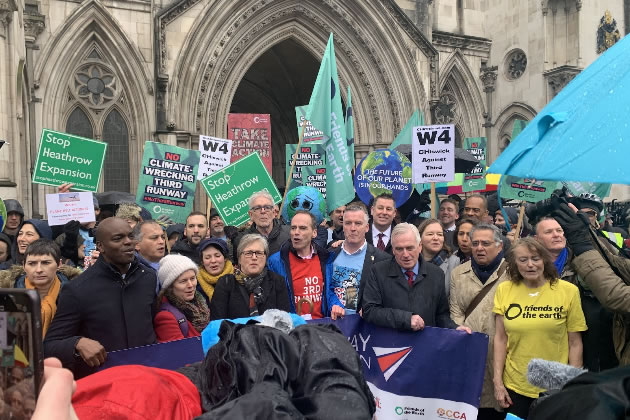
431 374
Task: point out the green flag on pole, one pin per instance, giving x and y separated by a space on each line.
325 113
350 129
404 137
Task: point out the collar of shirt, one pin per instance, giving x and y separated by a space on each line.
355 252
308 257
415 271
386 234
452 228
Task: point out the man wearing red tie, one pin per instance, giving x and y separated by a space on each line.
383 211
406 292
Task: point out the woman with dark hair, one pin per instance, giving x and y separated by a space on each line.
252 289
462 239
537 316
182 310
213 253
435 250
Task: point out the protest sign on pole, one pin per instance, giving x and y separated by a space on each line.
214 153
325 112
64 207
313 157
311 134
384 171
433 157
524 189
168 180
65 158
250 133
230 188
475 180
350 128
315 177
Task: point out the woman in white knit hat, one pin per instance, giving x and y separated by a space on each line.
182 310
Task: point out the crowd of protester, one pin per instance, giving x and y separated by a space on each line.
555 286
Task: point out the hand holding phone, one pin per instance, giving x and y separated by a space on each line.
91 351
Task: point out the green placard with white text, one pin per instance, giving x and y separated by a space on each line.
65 158
230 188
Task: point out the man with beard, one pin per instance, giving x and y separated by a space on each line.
195 231
108 307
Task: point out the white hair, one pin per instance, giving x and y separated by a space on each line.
258 194
402 228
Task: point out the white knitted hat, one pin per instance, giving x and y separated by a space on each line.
172 266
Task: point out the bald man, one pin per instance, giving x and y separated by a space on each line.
108 307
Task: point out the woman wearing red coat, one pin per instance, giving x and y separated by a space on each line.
182 310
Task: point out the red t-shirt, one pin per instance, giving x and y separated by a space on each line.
308 282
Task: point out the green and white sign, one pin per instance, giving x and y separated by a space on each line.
168 180
475 180
65 158
312 158
526 189
311 134
230 188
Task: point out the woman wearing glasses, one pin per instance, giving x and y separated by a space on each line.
251 290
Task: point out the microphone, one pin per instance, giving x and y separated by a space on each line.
551 375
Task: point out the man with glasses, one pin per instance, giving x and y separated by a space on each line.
472 298
264 222
307 269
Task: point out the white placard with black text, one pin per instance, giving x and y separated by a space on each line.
433 158
64 207
215 155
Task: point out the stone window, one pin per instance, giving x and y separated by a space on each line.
515 64
116 168
100 112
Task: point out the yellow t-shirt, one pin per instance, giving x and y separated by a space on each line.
537 323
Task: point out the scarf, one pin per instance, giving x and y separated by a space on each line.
440 258
462 258
484 272
207 281
196 311
561 261
49 303
252 285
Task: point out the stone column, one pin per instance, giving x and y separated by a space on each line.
488 78
7 9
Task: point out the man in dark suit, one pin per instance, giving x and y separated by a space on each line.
383 211
405 292
353 260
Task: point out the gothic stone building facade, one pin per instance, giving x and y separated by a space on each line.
128 71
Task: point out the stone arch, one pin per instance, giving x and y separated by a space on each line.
505 122
458 81
384 93
92 28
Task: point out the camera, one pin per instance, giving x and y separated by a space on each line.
536 211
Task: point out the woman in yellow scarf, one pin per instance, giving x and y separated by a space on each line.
214 264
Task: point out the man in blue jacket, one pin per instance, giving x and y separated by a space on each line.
306 267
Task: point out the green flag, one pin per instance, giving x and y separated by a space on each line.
325 113
350 129
404 137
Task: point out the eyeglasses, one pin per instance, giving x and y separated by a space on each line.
259 208
592 213
249 254
485 244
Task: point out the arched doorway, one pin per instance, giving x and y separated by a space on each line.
278 81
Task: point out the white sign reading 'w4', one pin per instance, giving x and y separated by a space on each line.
215 155
433 153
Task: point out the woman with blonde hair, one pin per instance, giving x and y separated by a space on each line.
538 316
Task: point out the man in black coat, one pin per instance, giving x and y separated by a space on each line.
108 307
406 292
195 231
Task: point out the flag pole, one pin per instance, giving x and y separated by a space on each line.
290 174
517 232
433 200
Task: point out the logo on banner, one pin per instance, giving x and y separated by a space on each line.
390 359
409 410
450 414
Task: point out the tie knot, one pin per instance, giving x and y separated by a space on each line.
380 235
409 273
